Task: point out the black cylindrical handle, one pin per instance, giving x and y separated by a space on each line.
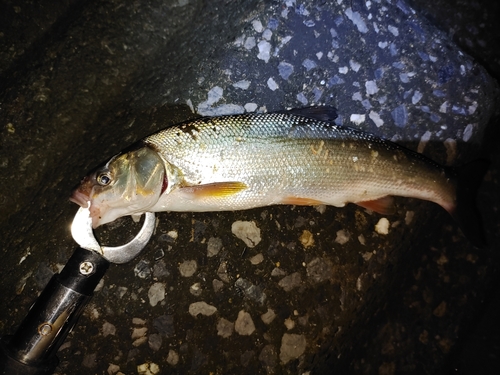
34 345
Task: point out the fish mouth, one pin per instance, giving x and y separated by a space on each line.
80 198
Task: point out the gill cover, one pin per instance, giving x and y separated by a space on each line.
130 183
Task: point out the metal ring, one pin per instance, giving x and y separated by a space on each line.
81 230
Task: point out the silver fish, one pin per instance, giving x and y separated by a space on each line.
238 162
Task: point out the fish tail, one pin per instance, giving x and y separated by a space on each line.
466 213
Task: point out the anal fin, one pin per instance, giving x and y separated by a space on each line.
384 205
298 201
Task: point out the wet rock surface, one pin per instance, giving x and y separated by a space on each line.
292 289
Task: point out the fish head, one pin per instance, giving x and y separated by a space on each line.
129 183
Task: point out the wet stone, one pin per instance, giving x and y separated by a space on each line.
247 231
164 324
318 270
225 328
142 269
269 358
202 308
188 268
292 347
155 341
268 316
244 324
156 293
214 245
290 282
251 291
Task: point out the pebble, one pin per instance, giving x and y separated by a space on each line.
271 83
108 329
306 239
277 272
112 369
172 357
142 269
318 270
139 332
285 70
156 293
225 328
202 308
138 321
148 368
292 347
268 316
155 341
264 50
289 324
244 324
269 358
164 324
290 282
217 284
342 237
195 289
188 268
382 227
257 259
247 231
250 290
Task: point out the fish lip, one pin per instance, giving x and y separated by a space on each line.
80 198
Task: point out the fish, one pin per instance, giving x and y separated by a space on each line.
294 157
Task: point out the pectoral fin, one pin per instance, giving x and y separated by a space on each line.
216 189
384 205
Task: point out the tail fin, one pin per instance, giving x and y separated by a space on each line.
469 178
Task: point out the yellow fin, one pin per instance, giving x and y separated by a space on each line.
298 201
216 189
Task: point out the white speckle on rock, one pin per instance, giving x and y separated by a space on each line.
285 70
202 308
342 237
382 227
292 347
319 55
264 50
309 64
156 293
468 133
173 234
225 328
225 109
247 231
472 108
417 95
214 95
244 324
188 268
357 20
257 259
267 34
289 324
271 83
354 65
383 44
343 70
444 107
268 316
375 117
249 43
250 107
361 239
321 208
302 98
394 30
371 87
243 84
357 118
257 26
423 141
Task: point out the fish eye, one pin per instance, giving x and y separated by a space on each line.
104 179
